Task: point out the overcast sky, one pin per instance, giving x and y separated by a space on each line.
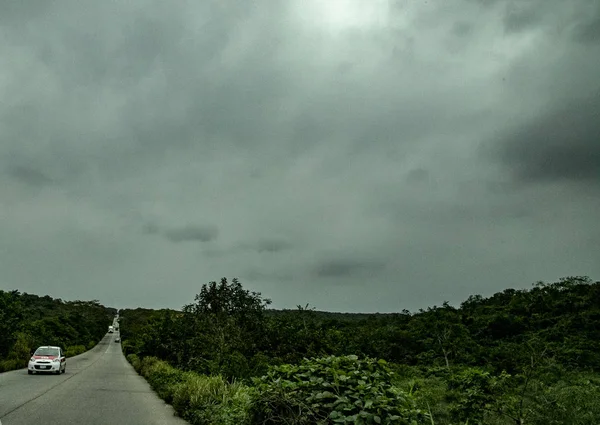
365 155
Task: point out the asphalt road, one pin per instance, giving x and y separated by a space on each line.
99 387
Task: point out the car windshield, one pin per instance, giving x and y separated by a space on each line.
46 352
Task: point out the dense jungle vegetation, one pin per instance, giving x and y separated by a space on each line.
28 321
517 357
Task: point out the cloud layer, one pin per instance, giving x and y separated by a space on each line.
358 156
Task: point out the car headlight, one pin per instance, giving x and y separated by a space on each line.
31 360
56 360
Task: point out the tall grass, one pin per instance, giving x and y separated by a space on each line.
199 399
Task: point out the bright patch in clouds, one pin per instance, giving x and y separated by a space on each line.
340 15
356 155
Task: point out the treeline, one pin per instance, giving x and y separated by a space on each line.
28 321
560 319
517 354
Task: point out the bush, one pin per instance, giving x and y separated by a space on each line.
162 378
21 349
235 364
13 364
574 403
135 362
128 348
430 396
332 390
260 364
208 400
75 350
146 364
473 392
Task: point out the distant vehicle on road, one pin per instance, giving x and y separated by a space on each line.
111 329
48 359
117 339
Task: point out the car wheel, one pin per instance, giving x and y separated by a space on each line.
58 371
29 372
64 370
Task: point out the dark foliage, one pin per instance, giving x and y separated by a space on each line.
28 321
229 330
507 359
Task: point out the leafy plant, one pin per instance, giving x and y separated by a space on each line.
474 392
332 390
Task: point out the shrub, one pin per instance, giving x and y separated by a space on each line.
75 350
21 349
403 371
430 396
128 348
574 403
146 364
135 362
235 364
332 390
199 399
162 378
13 364
208 400
473 392
260 364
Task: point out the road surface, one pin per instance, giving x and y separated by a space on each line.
99 387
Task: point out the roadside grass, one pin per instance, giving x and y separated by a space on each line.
318 391
199 399
346 390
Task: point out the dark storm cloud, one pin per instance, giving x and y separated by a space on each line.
151 228
311 148
16 11
266 245
30 176
561 145
191 233
462 28
589 32
272 245
142 65
485 2
345 268
417 175
520 16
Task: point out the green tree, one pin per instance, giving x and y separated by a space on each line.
225 320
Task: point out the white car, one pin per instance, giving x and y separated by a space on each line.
48 359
